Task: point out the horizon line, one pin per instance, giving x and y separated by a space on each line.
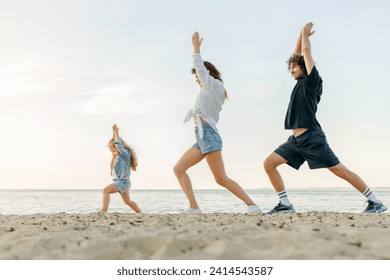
174 189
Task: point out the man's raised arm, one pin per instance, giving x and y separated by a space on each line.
298 47
306 48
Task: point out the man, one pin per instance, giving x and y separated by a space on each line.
308 141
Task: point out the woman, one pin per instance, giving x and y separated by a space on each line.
208 142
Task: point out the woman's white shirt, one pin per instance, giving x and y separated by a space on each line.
210 98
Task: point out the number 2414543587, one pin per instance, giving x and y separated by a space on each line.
241 270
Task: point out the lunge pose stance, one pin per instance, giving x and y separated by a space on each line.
308 141
208 144
123 159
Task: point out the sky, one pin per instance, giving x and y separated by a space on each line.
71 69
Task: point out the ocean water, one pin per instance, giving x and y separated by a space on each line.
22 202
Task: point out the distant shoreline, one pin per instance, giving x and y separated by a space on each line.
179 189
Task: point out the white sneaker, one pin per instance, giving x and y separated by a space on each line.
190 211
254 209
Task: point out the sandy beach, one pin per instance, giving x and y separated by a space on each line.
307 235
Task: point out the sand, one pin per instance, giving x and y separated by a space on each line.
114 236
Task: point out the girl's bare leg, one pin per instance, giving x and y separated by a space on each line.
111 188
129 202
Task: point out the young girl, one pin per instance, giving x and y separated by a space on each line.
208 142
123 159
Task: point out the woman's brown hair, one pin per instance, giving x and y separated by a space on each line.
213 71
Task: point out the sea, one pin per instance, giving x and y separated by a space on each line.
24 202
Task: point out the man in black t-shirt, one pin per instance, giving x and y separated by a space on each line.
308 141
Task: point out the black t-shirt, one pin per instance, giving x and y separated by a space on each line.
301 112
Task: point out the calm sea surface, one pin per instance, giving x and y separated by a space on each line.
23 202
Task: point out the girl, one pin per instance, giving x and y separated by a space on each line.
208 142
123 159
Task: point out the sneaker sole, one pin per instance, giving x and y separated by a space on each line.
284 211
383 209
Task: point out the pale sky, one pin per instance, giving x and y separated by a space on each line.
70 69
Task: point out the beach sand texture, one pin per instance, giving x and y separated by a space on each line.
112 236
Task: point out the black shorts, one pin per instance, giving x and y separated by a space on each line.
310 146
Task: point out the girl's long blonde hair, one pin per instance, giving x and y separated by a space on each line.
133 155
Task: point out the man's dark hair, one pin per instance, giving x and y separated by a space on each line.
296 59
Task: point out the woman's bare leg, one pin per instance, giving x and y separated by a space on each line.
215 162
190 158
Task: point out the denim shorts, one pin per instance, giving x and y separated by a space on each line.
122 185
211 141
310 146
